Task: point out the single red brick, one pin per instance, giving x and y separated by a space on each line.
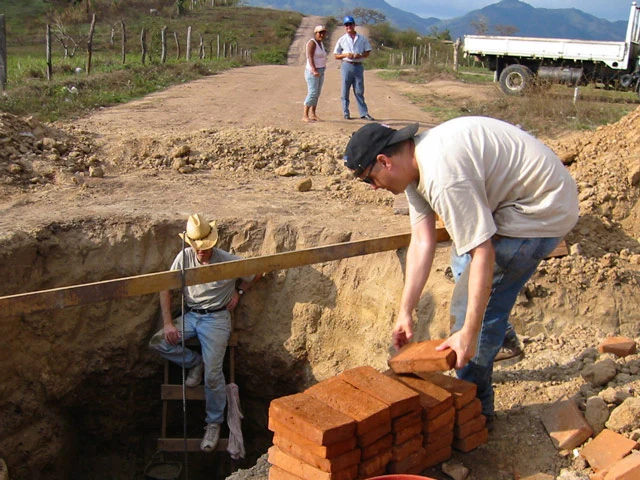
325 464
626 469
400 398
565 424
438 440
620 346
410 463
374 464
474 425
402 451
434 457
297 467
463 391
434 400
276 473
423 357
325 451
442 420
469 411
406 420
381 445
472 441
312 418
606 449
404 435
368 411
371 436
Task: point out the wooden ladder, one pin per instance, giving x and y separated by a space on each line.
173 392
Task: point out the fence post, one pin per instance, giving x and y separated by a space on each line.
188 56
49 66
163 40
456 46
3 54
124 42
90 41
143 44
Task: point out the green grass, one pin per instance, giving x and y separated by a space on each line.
247 36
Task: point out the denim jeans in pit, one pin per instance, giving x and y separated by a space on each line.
314 86
353 76
516 261
213 331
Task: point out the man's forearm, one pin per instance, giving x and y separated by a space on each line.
479 290
165 307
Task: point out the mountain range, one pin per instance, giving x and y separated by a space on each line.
517 17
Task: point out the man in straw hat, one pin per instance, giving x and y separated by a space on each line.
506 201
207 317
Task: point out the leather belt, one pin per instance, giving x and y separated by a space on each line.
204 311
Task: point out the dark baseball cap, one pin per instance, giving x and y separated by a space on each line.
366 143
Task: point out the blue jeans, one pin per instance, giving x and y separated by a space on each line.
314 86
353 76
213 331
458 264
516 261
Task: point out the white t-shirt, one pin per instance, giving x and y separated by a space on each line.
319 55
213 295
483 176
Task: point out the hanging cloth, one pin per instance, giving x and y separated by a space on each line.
234 421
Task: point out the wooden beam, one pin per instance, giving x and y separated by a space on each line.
24 303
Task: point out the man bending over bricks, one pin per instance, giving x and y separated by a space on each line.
506 200
207 317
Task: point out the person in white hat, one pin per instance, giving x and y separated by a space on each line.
207 317
314 73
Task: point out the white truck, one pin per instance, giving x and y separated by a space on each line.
519 61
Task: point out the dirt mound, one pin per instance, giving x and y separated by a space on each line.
33 154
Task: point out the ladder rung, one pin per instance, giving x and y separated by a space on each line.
193 444
174 392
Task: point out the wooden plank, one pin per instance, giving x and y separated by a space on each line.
193 444
174 392
560 251
20 304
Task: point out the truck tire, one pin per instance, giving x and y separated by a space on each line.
516 79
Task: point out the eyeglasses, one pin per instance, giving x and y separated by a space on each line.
321 33
367 178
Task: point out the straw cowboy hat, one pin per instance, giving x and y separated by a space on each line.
201 235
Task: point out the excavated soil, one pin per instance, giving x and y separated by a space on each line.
103 197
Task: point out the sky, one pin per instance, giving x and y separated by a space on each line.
609 10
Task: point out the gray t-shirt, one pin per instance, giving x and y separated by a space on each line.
212 295
483 176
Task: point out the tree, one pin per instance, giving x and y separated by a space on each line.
368 16
439 34
505 30
480 25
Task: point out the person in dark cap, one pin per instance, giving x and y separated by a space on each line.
505 199
352 48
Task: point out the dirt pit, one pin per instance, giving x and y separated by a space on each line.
103 197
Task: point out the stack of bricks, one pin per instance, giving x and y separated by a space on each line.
438 415
404 442
311 441
372 417
469 427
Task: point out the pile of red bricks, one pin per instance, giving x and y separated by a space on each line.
363 423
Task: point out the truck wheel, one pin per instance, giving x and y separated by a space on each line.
516 79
